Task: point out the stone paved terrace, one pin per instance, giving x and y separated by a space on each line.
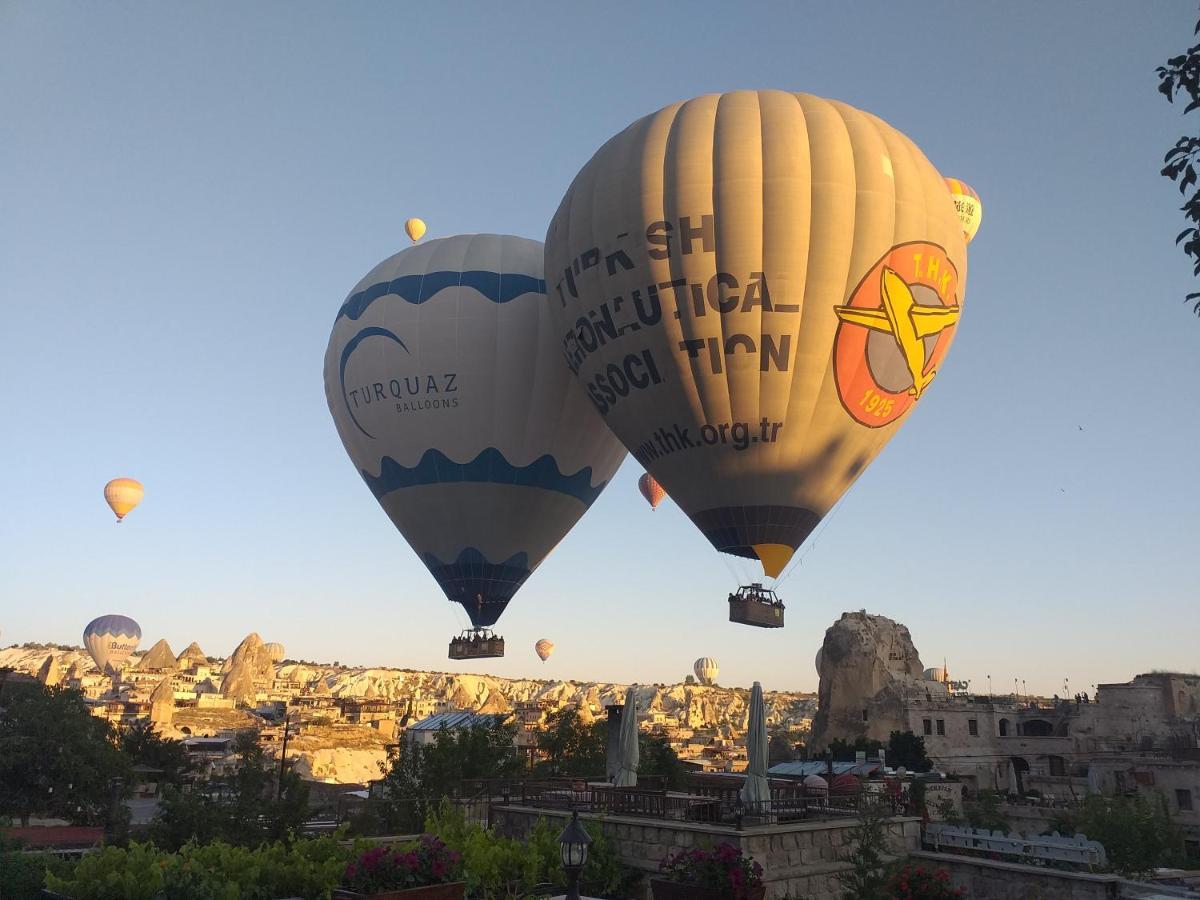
800 859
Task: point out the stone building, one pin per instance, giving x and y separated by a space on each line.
1137 736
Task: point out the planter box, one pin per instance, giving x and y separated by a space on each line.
454 890
675 890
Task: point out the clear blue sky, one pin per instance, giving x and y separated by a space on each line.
189 191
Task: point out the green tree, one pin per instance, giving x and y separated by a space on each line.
907 749
845 751
56 758
417 777
867 877
657 757
984 810
144 746
1137 832
572 747
252 806
1181 76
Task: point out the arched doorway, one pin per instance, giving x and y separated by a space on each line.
1018 769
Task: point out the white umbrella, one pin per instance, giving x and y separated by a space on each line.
756 791
627 747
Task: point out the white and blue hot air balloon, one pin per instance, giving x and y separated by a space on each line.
110 640
449 389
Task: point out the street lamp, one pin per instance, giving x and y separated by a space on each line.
574 843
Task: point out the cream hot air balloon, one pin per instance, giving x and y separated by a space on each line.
122 495
110 640
275 651
967 205
415 229
543 649
754 289
447 387
706 670
651 490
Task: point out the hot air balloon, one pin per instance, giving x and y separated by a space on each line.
754 289
543 649
415 229
706 670
110 640
275 651
967 205
122 495
447 387
651 490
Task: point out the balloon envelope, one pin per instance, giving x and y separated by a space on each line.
452 400
275 651
651 490
110 640
967 205
415 229
706 670
543 649
122 495
754 289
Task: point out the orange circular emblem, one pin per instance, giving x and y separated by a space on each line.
894 331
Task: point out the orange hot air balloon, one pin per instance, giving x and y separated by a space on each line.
967 205
651 490
122 495
543 649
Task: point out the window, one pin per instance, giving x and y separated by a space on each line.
864 715
941 726
1058 765
1183 797
1004 728
973 727
927 726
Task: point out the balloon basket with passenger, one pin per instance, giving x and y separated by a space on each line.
756 605
477 643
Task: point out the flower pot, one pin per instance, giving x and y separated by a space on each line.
453 890
677 890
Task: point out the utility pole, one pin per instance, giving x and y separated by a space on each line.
283 755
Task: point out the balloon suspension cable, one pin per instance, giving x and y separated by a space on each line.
798 559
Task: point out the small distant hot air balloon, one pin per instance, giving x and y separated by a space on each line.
706 670
967 205
275 651
543 649
651 490
110 640
415 229
122 495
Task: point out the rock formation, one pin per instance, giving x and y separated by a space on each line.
192 656
50 673
162 703
159 658
867 664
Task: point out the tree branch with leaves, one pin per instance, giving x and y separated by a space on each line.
1181 77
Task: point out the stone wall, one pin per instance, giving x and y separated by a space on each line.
986 879
799 859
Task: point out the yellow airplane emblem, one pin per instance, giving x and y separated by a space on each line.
905 320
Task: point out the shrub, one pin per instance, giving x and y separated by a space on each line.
381 869
723 868
919 883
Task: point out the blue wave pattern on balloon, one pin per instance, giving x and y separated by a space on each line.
117 626
482 587
499 287
489 467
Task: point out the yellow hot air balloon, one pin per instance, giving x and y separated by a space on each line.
415 229
967 205
754 289
543 649
122 495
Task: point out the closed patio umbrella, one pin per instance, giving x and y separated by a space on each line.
756 791
627 749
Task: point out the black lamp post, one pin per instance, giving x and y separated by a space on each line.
573 843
